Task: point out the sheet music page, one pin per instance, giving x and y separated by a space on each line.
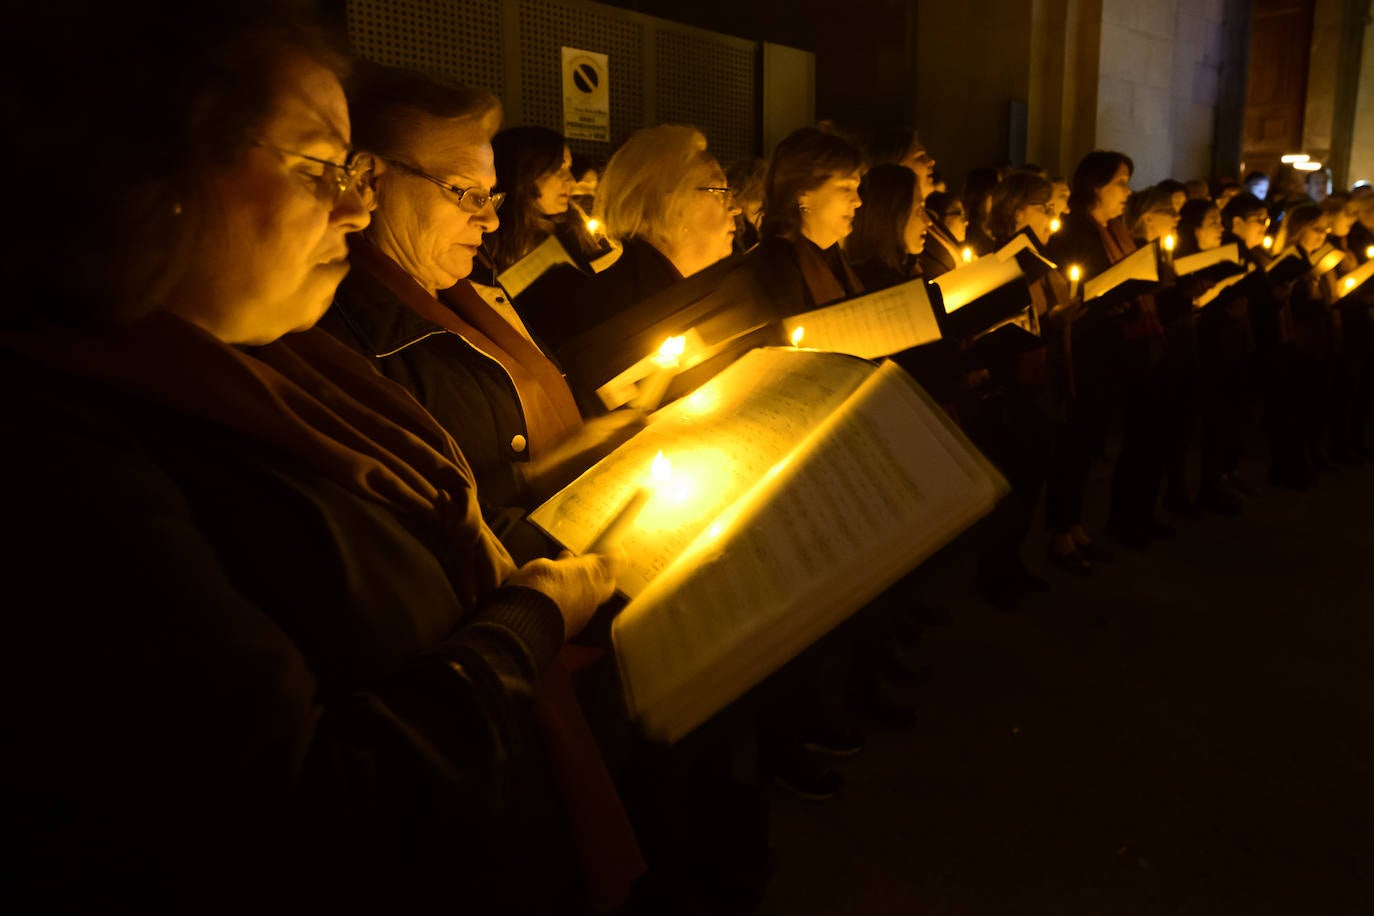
525 271
1216 290
1290 252
1191 264
1325 259
720 441
964 284
1351 281
883 484
873 325
1141 264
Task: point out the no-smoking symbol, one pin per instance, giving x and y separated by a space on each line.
585 76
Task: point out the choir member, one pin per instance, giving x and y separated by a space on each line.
945 240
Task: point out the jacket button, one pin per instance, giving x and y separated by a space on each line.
517 444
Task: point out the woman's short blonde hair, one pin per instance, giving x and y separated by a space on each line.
647 180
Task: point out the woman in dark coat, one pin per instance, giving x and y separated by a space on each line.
317 687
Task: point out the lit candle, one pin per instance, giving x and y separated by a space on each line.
593 225
1369 253
655 386
1167 245
1075 274
968 255
1268 242
797 334
1349 284
1054 224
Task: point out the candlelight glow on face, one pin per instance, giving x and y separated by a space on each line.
797 334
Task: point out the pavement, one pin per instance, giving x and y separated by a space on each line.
1189 730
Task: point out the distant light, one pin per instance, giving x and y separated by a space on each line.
1294 158
1310 165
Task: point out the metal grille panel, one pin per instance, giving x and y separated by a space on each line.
709 82
460 40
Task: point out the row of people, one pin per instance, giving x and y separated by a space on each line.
290 617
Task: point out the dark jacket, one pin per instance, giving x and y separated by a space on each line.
246 682
935 258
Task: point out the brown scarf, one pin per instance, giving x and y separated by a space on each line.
822 280
550 412
327 406
1117 242
316 400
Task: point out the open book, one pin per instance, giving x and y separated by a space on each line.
877 324
1220 262
982 295
547 254
1353 280
1133 274
801 485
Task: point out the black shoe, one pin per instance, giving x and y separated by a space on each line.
1220 499
806 777
1074 561
1094 552
833 739
1181 506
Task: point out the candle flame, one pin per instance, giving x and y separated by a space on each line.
968 255
662 468
1075 272
670 351
1349 284
1054 225
1268 241
1369 253
593 225
797 334
1168 243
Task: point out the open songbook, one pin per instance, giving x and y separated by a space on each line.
546 255
798 486
1214 263
1289 264
1353 280
877 324
982 295
1132 275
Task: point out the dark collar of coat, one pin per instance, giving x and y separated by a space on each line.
381 321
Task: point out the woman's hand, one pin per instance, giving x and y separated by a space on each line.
578 585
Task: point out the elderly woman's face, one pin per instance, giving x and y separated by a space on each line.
828 211
276 250
421 225
705 221
555 187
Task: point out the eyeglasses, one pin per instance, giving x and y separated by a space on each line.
335 178
1258 218
727 195
470 200
1048 209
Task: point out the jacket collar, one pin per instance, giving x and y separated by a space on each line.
371 307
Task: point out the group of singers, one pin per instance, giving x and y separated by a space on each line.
281 631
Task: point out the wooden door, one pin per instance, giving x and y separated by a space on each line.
1276 88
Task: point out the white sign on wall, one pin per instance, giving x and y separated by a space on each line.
586 96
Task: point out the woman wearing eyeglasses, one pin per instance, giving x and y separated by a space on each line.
945 241
534 171
272 659
409 307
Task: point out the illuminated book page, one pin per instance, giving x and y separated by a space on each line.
962 285
1219 288
548 253
1352 281
719 441
1141 264
1224 254
881 485
878 324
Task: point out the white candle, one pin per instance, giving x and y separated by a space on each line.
624 517
655 386
1167 246
1075 274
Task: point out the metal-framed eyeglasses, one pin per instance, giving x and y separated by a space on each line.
335 178
470 200
726 195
